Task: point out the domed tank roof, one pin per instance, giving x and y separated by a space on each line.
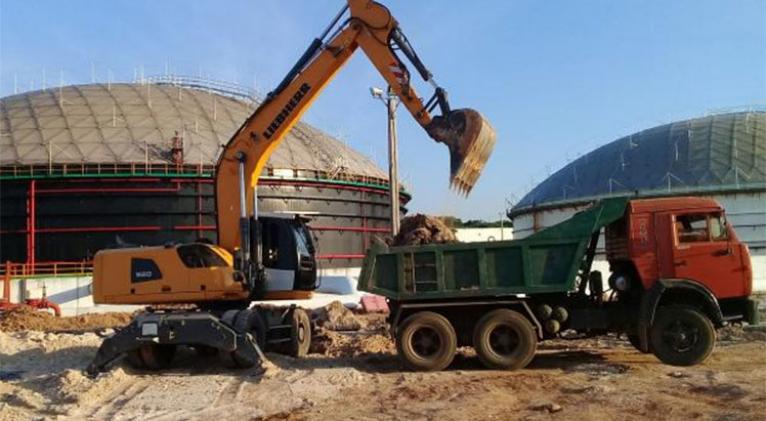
719 152
136 122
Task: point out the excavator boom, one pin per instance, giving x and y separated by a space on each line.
371 27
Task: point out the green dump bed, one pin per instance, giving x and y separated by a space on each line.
547 261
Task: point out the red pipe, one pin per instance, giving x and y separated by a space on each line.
340 256
32 222
115 180
116 190
322 185
99 229
194 227
352 229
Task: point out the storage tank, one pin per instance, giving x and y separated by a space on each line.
722 156
87 167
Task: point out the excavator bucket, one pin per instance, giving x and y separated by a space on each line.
470 139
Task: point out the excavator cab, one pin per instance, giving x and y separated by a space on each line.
287 254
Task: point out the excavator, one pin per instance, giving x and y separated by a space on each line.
200 294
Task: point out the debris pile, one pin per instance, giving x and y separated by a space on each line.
423 229
335 316
334 344
27 318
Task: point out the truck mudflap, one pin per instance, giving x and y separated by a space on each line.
188 328
752 316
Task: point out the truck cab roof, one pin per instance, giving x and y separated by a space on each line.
673 203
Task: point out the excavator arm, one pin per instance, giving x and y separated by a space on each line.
372 28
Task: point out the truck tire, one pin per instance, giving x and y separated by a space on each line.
300 334
504 339
155 356
681 336
426 341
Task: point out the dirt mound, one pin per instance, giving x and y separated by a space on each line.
27 318
736 333
334 344
423 229
335 316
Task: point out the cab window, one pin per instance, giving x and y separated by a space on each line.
691 228
300 241
199 256
695 228
718 231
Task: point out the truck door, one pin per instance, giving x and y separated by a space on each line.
703 251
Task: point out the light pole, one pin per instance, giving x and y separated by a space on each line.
390 99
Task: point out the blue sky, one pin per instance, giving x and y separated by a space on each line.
555 78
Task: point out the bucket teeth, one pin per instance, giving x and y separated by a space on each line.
470 139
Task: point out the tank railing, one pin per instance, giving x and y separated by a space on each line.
168 169
224 88
20 270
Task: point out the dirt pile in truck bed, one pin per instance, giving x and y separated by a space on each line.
423 229
27 318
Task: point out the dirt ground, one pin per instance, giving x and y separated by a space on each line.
356 376
27 318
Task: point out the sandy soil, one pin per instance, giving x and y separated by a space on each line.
25 318
357 377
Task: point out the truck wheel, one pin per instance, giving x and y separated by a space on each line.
157 357
633 339
426 341
300 334
681 336
504 339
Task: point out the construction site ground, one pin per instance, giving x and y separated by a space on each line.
357 376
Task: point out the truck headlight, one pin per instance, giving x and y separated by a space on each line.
621 283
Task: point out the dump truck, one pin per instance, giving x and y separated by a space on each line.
678 273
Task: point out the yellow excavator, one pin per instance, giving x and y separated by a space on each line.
202 293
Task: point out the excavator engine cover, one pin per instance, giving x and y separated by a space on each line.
470 139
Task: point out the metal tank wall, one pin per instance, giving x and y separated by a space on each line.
47 220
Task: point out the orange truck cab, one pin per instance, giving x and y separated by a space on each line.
680 252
